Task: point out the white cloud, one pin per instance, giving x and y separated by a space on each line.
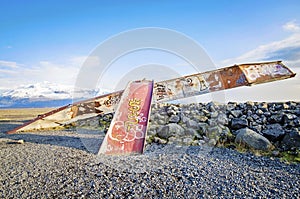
9 64
78 60
291 26
287 50
13 74
7 71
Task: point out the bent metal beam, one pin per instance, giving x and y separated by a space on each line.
181 87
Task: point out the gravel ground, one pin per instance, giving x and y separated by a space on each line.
64 164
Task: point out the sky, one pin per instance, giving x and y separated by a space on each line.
51 40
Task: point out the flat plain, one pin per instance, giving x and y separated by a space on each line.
21 114
11 118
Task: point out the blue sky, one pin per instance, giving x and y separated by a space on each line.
49 40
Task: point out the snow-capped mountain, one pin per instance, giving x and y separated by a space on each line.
47 90
43 94
40 90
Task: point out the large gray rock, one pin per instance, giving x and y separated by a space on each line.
291 139
203 128
184 119
222 119
290 120
172 110
238 123
192 124
212 122
174 119
187 140
231 106
214 114
259 112
276 118
257 128
252 139
263 106
192 133
236 113
211 106
169 130
152 130
159 140
162 119
202 118
274 132
214 132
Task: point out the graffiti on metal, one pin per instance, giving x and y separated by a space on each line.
263 72
128 128
182 87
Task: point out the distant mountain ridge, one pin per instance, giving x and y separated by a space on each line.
43 94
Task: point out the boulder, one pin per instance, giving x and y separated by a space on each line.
226 134
231 106
184 118
257 128
175 140
202 128
214 132
291 139
211 106
267 114
192 124
202 118
172 110
274 132
152 130
222 119
250 104
297 112
174 119
187 140
214 114
242 105
159 140
290 120
252 139
192 133
277 118
157 118
212 122
259 112
236 113
263 106
169 130
238 123
212 142
289 116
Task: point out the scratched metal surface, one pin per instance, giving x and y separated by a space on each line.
191 85
127 132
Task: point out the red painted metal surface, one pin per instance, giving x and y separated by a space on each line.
127 131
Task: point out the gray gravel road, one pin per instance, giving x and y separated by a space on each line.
62 164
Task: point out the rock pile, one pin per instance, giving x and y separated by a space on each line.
257 125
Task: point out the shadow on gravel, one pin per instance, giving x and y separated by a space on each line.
9 125
90 145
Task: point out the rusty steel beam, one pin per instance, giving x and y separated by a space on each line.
128 128
177 88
